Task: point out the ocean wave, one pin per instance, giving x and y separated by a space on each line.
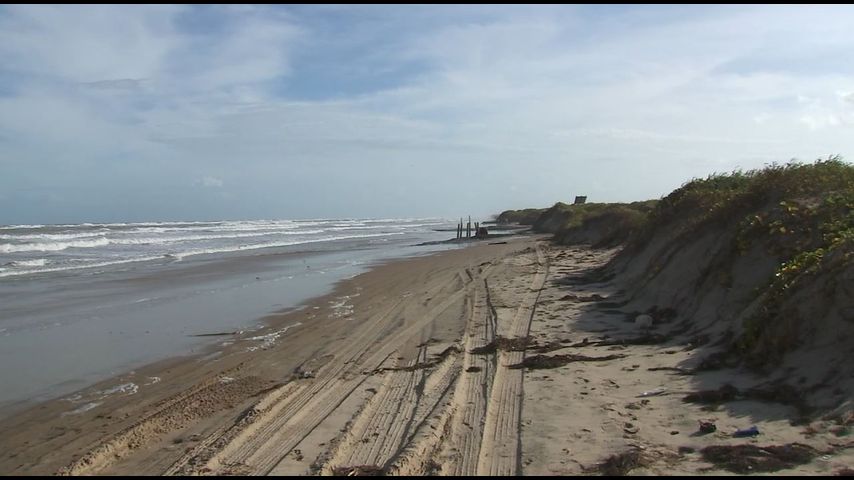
178 256
101 241
50 237
218 224
230 227
19 227
404 220
239 248
195 238
38 262
53 246
357 227
17 273
126 224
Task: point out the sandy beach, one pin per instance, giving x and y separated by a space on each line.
497 359
426 240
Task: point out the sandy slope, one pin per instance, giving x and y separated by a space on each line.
414 368
578 415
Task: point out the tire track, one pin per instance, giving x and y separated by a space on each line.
293 413
378 431
499 451
273 410
391 420
201 400
463 440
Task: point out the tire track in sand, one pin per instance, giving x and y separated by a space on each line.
203 399
291 414
390 421
463 439
499 450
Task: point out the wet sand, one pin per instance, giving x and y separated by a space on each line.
62 332
416 367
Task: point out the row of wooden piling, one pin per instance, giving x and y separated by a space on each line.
467 228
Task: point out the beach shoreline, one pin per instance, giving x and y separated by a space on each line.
498 359
151 383
60 333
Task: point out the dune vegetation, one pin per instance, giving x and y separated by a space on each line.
763 257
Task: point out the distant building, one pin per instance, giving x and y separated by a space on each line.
580 200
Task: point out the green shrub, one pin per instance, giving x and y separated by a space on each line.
523 217
800 214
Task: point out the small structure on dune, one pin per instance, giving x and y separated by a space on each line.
580 200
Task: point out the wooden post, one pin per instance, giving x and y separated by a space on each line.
468 228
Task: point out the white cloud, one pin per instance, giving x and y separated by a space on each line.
256 46
817 122
88 43
156 95
211 182
762 118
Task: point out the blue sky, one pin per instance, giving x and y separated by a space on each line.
128 113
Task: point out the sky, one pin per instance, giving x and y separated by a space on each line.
140 113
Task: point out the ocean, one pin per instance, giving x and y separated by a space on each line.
80 303
41 249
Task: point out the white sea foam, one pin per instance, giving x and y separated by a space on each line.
342 307
126 388
181 255
188 238
90 246
60 242
278 244
74 398
83 408
338 228
38 262
52 237
53 246
19 227
269 339
79 267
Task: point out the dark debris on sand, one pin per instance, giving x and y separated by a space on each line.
505 344
619 465
745 459
783 394
359 471
555 361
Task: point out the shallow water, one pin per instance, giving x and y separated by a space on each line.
63 330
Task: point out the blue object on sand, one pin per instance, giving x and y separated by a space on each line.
747 432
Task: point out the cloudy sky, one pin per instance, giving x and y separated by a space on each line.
134 113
